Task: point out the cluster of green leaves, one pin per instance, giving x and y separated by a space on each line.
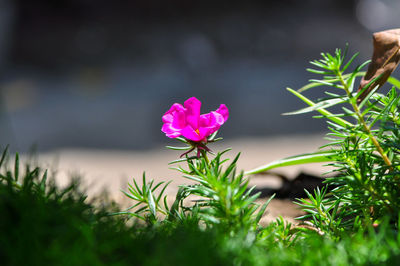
220 196
42 224
363 149
225 197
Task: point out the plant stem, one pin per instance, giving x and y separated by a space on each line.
204 154
363 123
370 136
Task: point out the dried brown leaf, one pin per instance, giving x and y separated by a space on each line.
385 59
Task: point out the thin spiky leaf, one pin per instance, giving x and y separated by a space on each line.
321 110
4 155
16 167
263 208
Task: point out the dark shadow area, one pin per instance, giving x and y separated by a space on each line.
293 188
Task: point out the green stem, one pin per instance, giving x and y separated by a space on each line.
363 123
370 136
204 154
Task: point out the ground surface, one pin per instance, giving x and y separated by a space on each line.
111 170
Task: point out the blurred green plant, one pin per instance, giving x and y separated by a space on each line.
42 224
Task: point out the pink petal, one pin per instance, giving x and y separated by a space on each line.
209 123
187 121
223 110
179 120
205 120
170 131
217 118
211 119
173 135
175 116
189 133
174 121
207 131
192 106
168 116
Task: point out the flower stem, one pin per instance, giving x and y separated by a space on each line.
204 154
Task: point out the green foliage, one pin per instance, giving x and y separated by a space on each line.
41 224
323 212
219 197
215 221
224 195
146 199
363 149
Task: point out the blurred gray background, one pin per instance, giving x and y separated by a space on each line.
100 74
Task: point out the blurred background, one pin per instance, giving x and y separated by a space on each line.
100 74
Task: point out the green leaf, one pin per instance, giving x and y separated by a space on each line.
309 86
152 204
42 184
316 106
182 160
349 62
4 155
178 148
322 111
327 83
183 140
321 72
136 186
127 213
16 167
129 195
263 207
350 78
366 88
317 157
162 191
395 82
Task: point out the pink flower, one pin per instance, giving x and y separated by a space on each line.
186 120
